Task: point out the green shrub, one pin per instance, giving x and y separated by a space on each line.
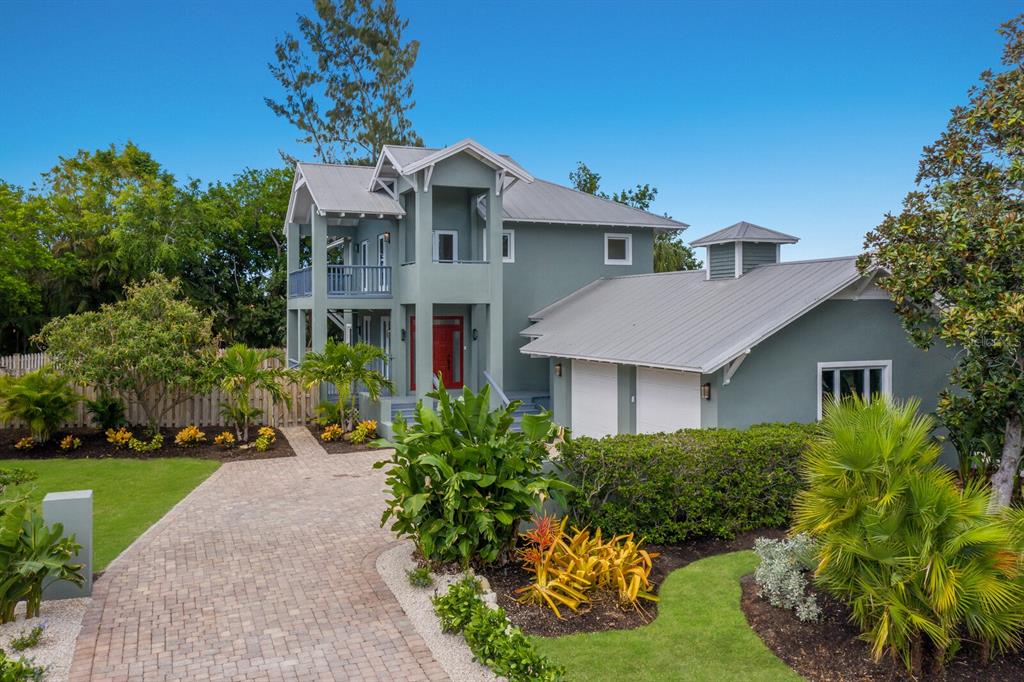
19 670
461 480
42 399
917 559
420 577
669 487
490 636
154 443
106 412
27 639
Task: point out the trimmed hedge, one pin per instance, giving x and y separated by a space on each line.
670 487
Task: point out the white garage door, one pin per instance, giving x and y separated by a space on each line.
595 410
666 400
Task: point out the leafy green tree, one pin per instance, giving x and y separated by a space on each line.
670 253
153 347
955 255
241 277
240 371
347 367
346 79
22 258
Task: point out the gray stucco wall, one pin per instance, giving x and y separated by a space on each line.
552 261
778 381
722 260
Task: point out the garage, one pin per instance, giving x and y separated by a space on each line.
666 400
595 410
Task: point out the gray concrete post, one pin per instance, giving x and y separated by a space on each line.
73 510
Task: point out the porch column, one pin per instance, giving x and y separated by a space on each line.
424 348
300 335
292 337
293 251
496 308
399 351
319 311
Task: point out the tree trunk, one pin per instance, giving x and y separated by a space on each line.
1005 477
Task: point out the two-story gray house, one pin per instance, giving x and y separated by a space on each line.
439 256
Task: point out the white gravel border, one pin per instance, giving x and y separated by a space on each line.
62 619
450 650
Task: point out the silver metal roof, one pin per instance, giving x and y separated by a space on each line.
342 189
545 202
403 155
680 320
744 231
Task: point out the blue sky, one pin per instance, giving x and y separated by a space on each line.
807 117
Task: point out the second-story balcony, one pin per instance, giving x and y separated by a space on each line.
354 281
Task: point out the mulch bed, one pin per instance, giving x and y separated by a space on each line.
830 650
337 447
604 613
95 446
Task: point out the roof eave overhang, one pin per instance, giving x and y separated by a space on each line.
548 221
701 242
611 361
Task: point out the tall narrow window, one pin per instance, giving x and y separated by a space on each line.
838 380
508 246
618 249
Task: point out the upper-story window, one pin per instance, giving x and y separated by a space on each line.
838 380
508 246
446 246
618 249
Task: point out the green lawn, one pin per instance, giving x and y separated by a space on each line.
699 634
129 495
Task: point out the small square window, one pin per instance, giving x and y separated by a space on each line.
508 246
618 249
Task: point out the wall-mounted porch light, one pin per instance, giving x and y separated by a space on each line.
476 335
705 391
558 369
403 335
387 237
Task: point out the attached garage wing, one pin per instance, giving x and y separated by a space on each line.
595 410
666 400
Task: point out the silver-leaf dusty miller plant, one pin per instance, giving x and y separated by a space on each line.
782 575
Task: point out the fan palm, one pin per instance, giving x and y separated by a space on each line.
42 399
916 558
242 370
346 367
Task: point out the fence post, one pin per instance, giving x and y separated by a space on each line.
73 510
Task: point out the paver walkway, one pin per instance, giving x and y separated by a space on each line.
265 572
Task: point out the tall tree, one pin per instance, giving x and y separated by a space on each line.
955 255
22 258
346 80
670 253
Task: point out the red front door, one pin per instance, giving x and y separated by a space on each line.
448 340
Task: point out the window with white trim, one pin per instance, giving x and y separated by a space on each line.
446 246
838 380
618 249
508 246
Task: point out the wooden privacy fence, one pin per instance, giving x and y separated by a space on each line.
201 410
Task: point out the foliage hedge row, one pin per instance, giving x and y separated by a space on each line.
669 487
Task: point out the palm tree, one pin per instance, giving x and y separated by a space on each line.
42 399
346 367
241 370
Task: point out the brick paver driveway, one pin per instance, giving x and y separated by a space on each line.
264 572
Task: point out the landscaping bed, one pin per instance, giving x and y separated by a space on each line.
831 650
603 612
95 446
338 447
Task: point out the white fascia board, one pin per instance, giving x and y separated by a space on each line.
610 361
380 164
646 226
468 145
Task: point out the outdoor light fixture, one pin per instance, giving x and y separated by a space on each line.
476 335
705 391
387 237
403 335
558 369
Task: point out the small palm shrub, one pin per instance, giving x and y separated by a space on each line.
347 367
189 437
460 480
921 563
42 399
782 575
106 412
240 371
